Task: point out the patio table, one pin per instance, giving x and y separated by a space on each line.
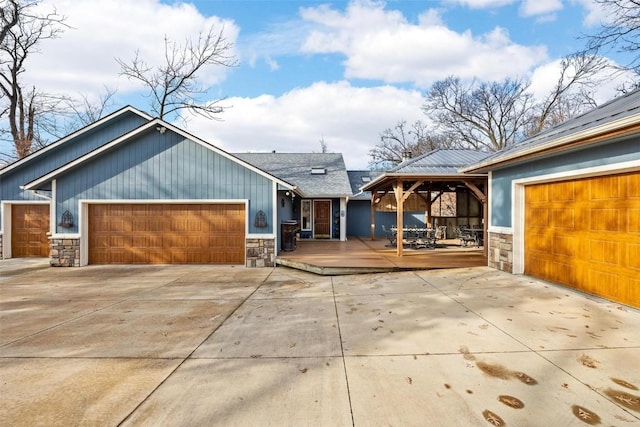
417 237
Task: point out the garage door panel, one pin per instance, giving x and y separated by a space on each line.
562 246
633 186
633 221
162 234
633 256
605 252
562 218
606 188
592 239
563 192
606 220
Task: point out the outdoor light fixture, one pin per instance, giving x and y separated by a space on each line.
67 220
261 220
161 129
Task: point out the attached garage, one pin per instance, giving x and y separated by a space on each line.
153 233
29 227
585 234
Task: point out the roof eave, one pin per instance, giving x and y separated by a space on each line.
628 126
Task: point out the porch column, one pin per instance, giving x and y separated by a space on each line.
343 219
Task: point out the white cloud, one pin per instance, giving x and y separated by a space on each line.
545 77
101 30
381 45
540 7
348 118
595 13
481 4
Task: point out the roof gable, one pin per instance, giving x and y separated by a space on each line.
101 123
156 125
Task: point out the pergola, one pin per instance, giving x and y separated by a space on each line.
424 178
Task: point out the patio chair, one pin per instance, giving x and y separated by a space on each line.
390 235
465 237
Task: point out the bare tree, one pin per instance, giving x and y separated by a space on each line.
324 147
487 116
401 141
621 31
571 95
9 15
174 86
22 104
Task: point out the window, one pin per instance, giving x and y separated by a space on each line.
306 215
318 171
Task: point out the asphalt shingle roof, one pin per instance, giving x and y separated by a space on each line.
295 168
357 181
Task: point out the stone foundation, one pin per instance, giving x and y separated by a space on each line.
64 252
500 252
261 253
1 246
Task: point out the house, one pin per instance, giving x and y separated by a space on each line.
322 190
133 189
429 190
564 205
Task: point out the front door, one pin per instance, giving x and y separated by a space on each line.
322 219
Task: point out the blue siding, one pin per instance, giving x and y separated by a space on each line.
11 181
501 197
165 166
359 214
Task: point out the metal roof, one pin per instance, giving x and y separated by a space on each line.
295 168
439 162
616 113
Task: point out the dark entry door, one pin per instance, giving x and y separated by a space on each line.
322 219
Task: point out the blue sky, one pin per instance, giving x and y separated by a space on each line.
338 71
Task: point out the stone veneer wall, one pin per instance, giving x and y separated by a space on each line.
500 253
64 252
261 252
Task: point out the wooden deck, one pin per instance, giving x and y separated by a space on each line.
359 255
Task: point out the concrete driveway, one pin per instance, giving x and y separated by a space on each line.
204 346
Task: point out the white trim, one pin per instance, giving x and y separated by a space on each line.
5 224
501 230
518 198
343 219
53 208
83 224
75 134
489 220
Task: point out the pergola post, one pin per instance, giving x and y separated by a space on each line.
397 190
373 216
482 197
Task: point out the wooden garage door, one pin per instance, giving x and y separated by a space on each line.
29 227
585 234
166 234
